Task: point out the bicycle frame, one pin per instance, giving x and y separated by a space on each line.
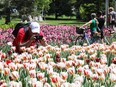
84 32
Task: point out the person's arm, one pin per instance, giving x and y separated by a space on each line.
21 42
97 21
86 24
27 43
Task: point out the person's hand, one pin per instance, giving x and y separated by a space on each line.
32 37
81 27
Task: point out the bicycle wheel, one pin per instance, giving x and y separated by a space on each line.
82 41
97 38
79 40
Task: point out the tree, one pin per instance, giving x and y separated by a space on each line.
33 7
61 7
85 7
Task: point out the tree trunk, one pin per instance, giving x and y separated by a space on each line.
56 16
7 18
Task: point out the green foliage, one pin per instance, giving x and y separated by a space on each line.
86 10
6 26
57 7
61 7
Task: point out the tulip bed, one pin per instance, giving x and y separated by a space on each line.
60 64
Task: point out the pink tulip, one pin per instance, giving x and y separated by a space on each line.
26 65
47 85
40 54
93 56
14 75
14 55
68 63
87 73
64 75
42 65
102 61
61 65
37 84
17 60
112 77
6 71
15 84
32 73
79 63
102 77
13 66
80 70
94 76
1 82
63 60
65 84
106 70
3 55
19 66
99 72
32 66
40 75
44 80
47 56
4 85
13 48
71 70
1 66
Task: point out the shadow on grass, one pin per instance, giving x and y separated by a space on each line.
73 23
67 21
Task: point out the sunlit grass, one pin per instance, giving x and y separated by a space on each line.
63 20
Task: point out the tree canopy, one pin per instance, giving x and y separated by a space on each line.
80 8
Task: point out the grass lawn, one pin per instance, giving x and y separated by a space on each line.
51 21
63 22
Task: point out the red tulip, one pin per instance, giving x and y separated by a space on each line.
114 60
54 79
97 59
9 52
87 61
8 61
57 57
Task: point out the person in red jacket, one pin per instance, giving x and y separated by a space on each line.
30 37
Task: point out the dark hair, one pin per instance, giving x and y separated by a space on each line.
99 13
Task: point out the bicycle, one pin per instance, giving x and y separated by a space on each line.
84 37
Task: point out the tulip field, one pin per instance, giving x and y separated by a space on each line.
60 64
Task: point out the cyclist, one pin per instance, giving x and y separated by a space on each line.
101 21
112 18
93 25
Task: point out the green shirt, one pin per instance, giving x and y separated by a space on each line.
93 25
